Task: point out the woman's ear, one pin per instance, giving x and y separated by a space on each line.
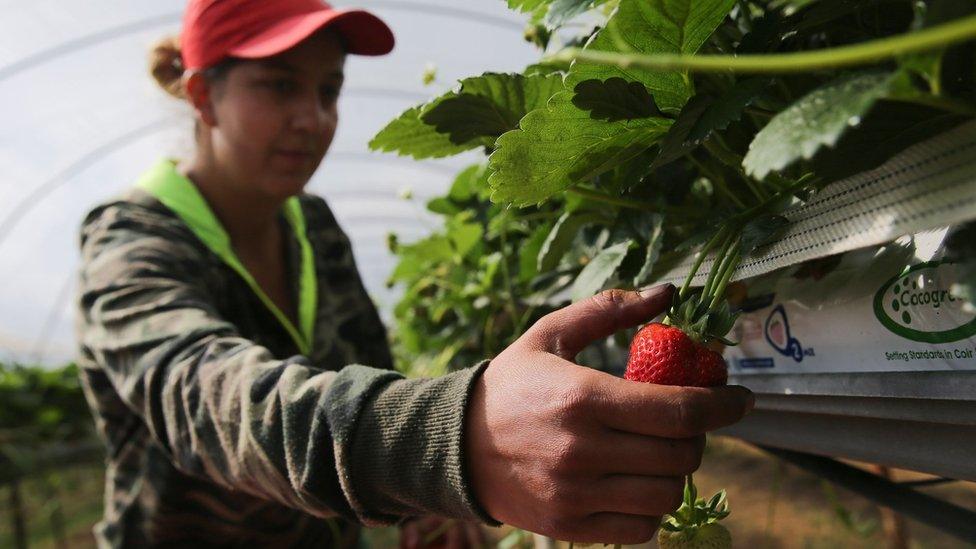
200 94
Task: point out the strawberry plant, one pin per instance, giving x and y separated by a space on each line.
651 130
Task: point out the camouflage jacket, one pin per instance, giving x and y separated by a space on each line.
226 424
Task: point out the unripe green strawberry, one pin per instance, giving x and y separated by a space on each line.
710 536
665 355
695 524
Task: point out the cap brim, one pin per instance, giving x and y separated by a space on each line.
364 34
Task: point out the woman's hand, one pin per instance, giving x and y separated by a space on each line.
577 454
442 533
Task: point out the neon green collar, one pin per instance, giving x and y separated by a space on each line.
180 195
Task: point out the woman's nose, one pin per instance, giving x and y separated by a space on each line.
312 116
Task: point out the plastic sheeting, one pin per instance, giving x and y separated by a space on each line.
81 119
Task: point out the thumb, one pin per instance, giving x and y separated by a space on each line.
567 331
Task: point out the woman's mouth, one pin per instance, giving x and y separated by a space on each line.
294 159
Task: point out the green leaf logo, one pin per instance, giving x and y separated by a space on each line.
917 305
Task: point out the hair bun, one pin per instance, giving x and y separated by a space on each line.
166 66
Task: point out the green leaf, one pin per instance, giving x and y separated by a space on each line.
464 235
417 257
562 11
615 99
442 205
466 183
468 117
561 237
654 241
761 231
728 107
408 135
557 12
489 105
677 142
599 270
480 110
816 120
527 6
560 146
889 128
529 253
654 26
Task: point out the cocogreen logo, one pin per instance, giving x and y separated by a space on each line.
917 305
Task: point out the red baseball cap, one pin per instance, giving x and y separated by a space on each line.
216 29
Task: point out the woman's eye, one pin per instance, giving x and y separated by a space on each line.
330 93
282 86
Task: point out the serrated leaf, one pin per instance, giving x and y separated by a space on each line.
546 69
816 120
654 241
614 99
677 143
889 128
489 105
527 6
482 108
466 118
561 237
596 273
559 146
562 11
727 108
761 231
408 135
654 26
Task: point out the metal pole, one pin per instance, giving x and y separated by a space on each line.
949 518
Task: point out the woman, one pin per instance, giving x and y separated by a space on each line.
223 328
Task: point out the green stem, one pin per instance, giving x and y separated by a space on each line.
717 267
728 269
717 181
937 37
721 152
612 200
512 309
701 257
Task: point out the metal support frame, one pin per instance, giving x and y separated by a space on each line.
947 517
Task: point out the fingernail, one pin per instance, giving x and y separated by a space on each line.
652 291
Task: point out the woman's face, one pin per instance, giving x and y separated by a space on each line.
275 117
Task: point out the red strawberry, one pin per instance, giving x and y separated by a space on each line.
665 355
711 369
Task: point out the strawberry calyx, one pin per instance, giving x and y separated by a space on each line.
695 512
700 321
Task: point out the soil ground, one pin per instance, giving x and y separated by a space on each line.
774 506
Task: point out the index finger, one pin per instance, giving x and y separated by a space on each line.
567 331
668 411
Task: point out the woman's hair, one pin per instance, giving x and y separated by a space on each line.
166 66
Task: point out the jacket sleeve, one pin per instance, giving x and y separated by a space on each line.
361 442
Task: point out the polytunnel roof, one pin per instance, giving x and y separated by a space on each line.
82 119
